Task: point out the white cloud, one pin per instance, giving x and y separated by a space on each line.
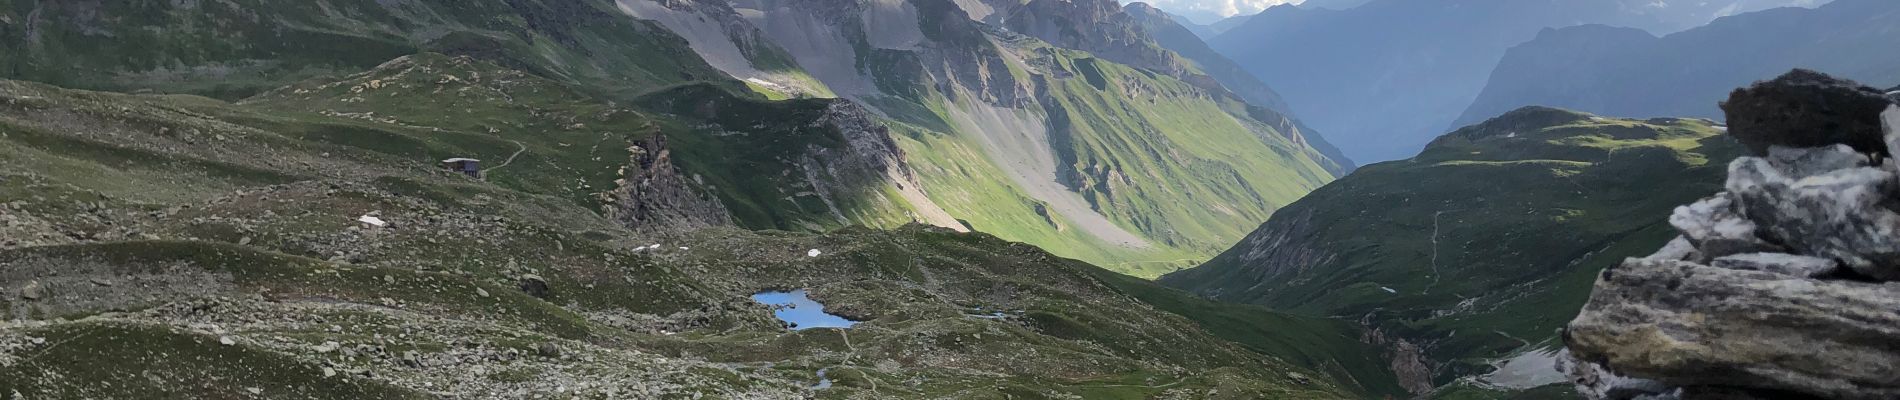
1199 9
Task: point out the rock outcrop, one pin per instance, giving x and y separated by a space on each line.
869 158
653 196
1807 109
1786 285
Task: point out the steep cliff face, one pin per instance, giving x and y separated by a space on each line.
652 196
1173 34
1096 26
809 164
870 157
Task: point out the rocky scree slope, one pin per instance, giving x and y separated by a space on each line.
1782 286
1480 247
163 246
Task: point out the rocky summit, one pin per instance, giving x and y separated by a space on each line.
1786 285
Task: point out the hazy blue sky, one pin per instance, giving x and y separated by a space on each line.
1208 11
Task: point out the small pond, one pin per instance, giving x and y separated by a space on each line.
799 311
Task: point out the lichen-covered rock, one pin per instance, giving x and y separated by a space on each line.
1836 215
1890 122
1807 109
1687 324
1785 264
1787 285
1716 228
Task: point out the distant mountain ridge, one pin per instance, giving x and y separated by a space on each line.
1479 247
1384 78
1617 71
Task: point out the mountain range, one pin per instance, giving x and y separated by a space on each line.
1477 249
594 198
246 199
978 91
1417 65
1615 71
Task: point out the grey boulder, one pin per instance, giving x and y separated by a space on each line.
1691 325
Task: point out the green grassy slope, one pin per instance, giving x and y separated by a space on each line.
216 236
1143 148
1177 165
1155 155
1199 145
1484 243
232 49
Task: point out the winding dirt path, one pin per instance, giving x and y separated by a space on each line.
520 148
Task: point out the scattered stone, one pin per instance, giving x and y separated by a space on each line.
1595 383
226 340
1716 228
32 291
102 282
548 350
1835 215
1807 109
481 292
329 372
813 253
533 285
